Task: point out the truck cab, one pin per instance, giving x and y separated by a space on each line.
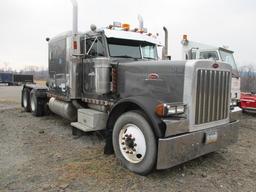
109 44
196 50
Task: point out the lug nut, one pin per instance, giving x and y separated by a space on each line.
124 148
135 145
122 143
127 151
133 149
131 152
123 138
126 135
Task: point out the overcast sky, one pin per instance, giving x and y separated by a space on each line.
24 24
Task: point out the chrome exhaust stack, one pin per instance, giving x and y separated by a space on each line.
141 25
75 16
165 50
165 41
75 53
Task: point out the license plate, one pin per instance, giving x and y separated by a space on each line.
211 137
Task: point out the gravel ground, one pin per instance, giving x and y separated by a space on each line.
40 154
10 94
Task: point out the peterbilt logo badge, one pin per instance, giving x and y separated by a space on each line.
215 65
153 76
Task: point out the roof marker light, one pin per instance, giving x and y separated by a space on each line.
126 26
185 37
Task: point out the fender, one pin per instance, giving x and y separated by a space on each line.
146 105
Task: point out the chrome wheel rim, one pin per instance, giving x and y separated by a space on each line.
132 143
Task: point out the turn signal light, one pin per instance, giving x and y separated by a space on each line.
159 110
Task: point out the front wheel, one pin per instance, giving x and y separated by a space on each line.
134 142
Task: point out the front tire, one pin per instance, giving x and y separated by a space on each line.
134 142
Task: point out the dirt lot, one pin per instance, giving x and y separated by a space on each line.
10 94
40 154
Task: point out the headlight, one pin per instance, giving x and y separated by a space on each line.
171 110
164 110
181 109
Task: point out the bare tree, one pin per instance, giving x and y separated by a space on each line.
39 73
248 78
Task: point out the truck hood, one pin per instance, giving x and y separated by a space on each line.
162 80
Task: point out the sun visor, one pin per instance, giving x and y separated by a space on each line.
129 35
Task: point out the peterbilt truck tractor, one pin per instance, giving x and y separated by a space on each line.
156 113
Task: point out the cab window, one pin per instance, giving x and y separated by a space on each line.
228 57
193 54
95 47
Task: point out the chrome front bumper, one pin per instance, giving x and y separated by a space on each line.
178 149
175 127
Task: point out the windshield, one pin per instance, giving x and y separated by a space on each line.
228 57
209 55
149 51
131 49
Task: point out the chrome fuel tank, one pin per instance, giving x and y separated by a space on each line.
63 109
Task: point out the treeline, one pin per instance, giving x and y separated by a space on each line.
248 78
37 72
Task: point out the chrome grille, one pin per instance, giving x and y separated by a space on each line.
212 96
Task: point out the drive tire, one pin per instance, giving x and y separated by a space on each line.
137 120
37 104
25 99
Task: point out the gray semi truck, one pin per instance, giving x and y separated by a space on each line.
156 113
